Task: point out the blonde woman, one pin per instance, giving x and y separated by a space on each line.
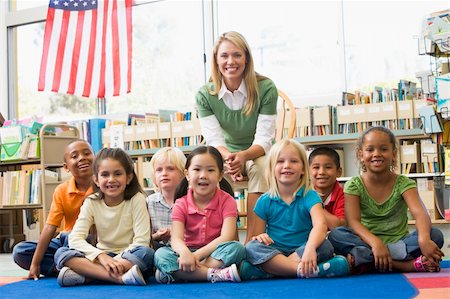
237 111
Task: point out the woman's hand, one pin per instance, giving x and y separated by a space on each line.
263 238
112 265
234 163
188 262
308 263
382 257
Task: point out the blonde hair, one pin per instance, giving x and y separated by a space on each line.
171 155
271 161
251 78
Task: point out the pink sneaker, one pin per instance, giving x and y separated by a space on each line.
226 274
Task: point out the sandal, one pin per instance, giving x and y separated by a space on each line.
422 264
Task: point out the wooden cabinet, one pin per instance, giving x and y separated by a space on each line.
29 184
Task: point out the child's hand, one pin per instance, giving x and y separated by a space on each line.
263 238
188 262
35 271
382 257
163 234
111 265
308 263
430 250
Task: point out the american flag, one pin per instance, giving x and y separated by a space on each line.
87 48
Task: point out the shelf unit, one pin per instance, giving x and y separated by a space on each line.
54 138
345 141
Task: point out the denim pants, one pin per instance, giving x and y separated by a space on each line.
141 256
166 260
345 241
258 253
23 254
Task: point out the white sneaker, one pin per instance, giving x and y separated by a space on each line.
226 274
134 277
67 278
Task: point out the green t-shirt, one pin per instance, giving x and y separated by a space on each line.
238 129
388 220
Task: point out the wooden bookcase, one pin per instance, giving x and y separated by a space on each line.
53 140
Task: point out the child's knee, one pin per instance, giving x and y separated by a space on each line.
437 236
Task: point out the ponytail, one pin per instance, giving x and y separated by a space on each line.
226 186
181 189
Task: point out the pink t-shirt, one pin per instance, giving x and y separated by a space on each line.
203 227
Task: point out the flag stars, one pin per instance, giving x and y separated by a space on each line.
85 4
66 4
56 2
75 4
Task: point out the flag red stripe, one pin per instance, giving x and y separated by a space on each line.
129 40
115 49
76 53
101 87
74 50
47 36
90 59
60 52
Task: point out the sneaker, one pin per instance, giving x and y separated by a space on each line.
134 277
226 274
162 277
67 278
334 267
248 271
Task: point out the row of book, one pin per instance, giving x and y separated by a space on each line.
355 118
422 156
407 90
20 187
153 135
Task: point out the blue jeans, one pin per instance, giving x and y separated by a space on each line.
23 254
141 256
166 260
258 253
345 241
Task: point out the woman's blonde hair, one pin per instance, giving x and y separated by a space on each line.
271 161
251 78
171 155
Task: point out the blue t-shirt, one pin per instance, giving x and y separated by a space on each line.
288 225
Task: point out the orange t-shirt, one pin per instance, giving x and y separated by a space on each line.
67 200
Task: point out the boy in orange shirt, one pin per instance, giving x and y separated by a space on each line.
325 167
67 200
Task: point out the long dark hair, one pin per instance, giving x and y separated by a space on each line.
184 184
119 155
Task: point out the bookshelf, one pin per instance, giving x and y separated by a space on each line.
29 184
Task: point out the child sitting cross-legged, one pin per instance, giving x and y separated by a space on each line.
166 172
325 167
118 210
203 225
291 226
376 203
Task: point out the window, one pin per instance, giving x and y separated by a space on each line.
52 106
381 43
295 43
24 4
168 66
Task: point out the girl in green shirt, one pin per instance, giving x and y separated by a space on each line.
376 204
